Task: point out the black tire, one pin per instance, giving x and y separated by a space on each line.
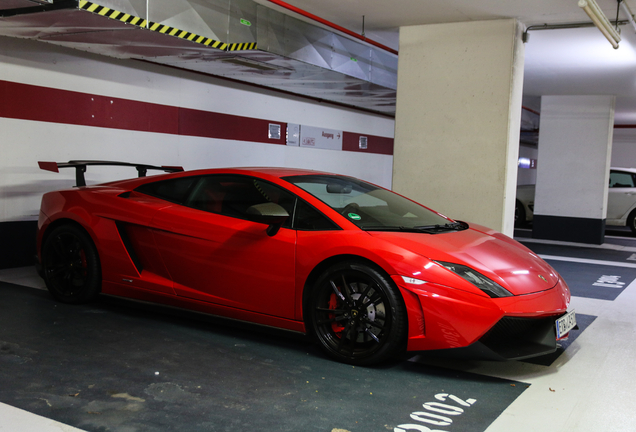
71 267
357 314
631 221
520 214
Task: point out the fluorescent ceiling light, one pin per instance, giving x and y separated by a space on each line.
628 12
600 20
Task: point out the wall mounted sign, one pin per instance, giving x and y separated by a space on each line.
329 139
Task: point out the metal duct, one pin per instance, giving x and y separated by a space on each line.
237 39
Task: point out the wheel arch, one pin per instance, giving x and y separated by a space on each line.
59 222
631 217
331 261
320 268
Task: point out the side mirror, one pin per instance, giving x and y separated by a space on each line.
269 213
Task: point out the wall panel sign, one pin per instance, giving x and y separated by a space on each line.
274 131
293 134
314 137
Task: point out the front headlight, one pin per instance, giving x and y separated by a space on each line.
493 289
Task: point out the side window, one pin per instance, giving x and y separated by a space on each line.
232 195
620 179
308 218
173 190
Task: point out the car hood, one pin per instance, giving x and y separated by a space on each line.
494 255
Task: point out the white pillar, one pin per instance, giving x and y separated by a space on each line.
458 119
575 148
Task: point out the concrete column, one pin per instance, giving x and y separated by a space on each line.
458 119
575 149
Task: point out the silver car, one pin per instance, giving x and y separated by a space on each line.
621 200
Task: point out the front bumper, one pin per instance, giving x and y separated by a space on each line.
514 327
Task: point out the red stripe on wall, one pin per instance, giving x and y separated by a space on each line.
45 104
29 102
375 144
225 126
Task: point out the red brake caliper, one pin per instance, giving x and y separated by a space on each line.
84 262
335 325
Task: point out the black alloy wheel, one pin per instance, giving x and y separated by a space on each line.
71 267
357 314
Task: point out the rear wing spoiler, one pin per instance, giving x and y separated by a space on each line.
80 168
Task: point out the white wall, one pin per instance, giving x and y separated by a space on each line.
575 145
624 148
23 143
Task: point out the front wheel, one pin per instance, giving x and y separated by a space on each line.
631 221
71 265
357 314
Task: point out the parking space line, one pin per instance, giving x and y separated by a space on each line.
588 261
609 246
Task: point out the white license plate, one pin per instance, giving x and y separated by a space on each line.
564 324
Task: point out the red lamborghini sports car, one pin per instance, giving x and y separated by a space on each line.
366 272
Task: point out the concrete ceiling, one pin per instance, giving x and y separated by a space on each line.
557 62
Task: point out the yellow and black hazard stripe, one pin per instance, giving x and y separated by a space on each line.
182 34
242 46
112 14
162 28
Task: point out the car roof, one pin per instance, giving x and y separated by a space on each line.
631 170
272 171
276 172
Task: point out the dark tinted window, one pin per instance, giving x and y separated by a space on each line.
621 179
174 190
308 218
232 195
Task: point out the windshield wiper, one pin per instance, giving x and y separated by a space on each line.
438 227
428 229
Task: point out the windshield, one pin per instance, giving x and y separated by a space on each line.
371 207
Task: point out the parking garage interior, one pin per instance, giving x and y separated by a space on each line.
452 107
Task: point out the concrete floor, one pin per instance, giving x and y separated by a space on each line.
588 388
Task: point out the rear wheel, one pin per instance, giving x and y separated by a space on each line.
357 314
71 265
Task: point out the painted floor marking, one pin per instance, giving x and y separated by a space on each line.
588 261
609 281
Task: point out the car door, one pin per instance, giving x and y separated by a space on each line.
214 253
621 194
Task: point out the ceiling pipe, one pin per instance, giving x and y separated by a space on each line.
332 25
526 35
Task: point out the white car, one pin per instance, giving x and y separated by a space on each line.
621 200
524 206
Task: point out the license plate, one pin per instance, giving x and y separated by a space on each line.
564 324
